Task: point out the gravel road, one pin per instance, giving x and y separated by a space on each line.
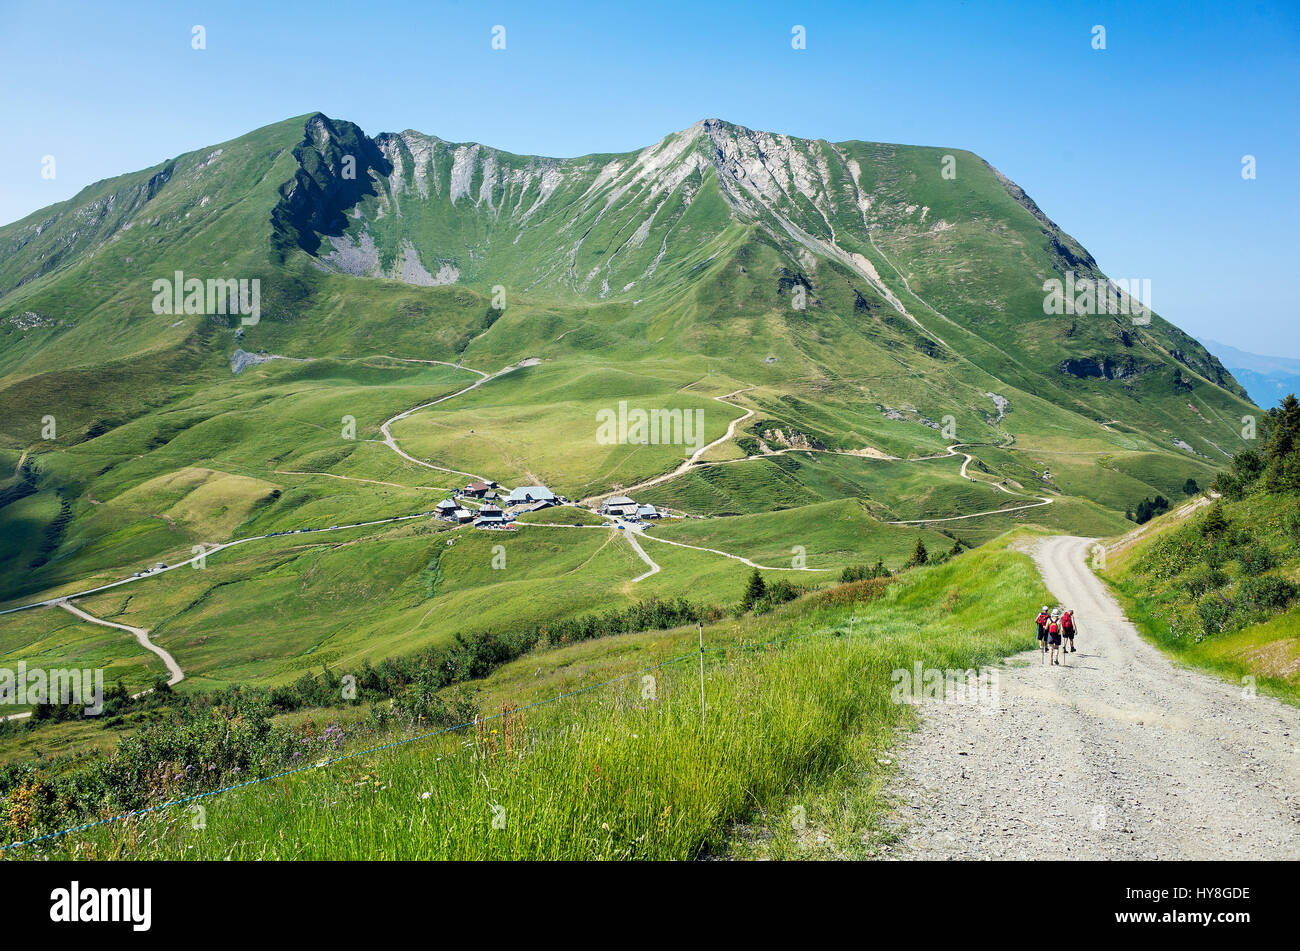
1118 754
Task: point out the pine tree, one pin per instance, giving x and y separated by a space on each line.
1191 488
919 555
755 589
1215 523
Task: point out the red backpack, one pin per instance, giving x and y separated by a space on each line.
1053 628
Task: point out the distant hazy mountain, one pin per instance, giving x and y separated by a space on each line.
1267 379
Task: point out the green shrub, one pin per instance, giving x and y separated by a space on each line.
1268 593
1215 613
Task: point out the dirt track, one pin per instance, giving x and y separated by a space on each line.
1120 754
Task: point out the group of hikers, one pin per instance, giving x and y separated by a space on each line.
1056 630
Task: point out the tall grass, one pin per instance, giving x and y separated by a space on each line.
621 772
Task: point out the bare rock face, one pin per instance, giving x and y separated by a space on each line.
241 360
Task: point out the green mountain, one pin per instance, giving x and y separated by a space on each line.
861 307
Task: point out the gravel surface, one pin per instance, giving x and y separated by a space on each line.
1116 754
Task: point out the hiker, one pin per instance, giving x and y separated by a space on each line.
1067 632
1041 622
1054 634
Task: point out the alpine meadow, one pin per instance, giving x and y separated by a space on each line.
415 499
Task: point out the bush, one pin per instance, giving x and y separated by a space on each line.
1215 523
1203 579
862 572
1149 508
1268 593
1215 613
1255 559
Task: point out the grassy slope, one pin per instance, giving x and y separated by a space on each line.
800 721
1161 606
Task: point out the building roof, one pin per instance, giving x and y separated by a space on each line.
533 493
446 504
619 500
646 510
478 486
490 511
461 513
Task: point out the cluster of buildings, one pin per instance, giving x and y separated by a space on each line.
623 507
485 504
499 507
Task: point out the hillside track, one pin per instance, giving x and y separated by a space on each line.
174 673
1117 754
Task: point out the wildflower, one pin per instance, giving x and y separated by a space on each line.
425 795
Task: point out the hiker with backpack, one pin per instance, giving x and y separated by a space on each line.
1041 623
1068 629
1054 634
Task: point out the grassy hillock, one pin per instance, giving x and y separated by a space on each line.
1221 588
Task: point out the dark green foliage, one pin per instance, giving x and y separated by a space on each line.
919 555
1268 594
1282 447
1215 523
1215 613
1149 508
1275 467
862 572
755 590
1191 488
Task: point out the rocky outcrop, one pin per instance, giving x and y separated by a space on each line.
335 161
1104 367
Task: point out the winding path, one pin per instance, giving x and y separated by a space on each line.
953 451
391 443
636 546
715 551
689 461
174 673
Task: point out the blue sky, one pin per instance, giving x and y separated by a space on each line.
1136 149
